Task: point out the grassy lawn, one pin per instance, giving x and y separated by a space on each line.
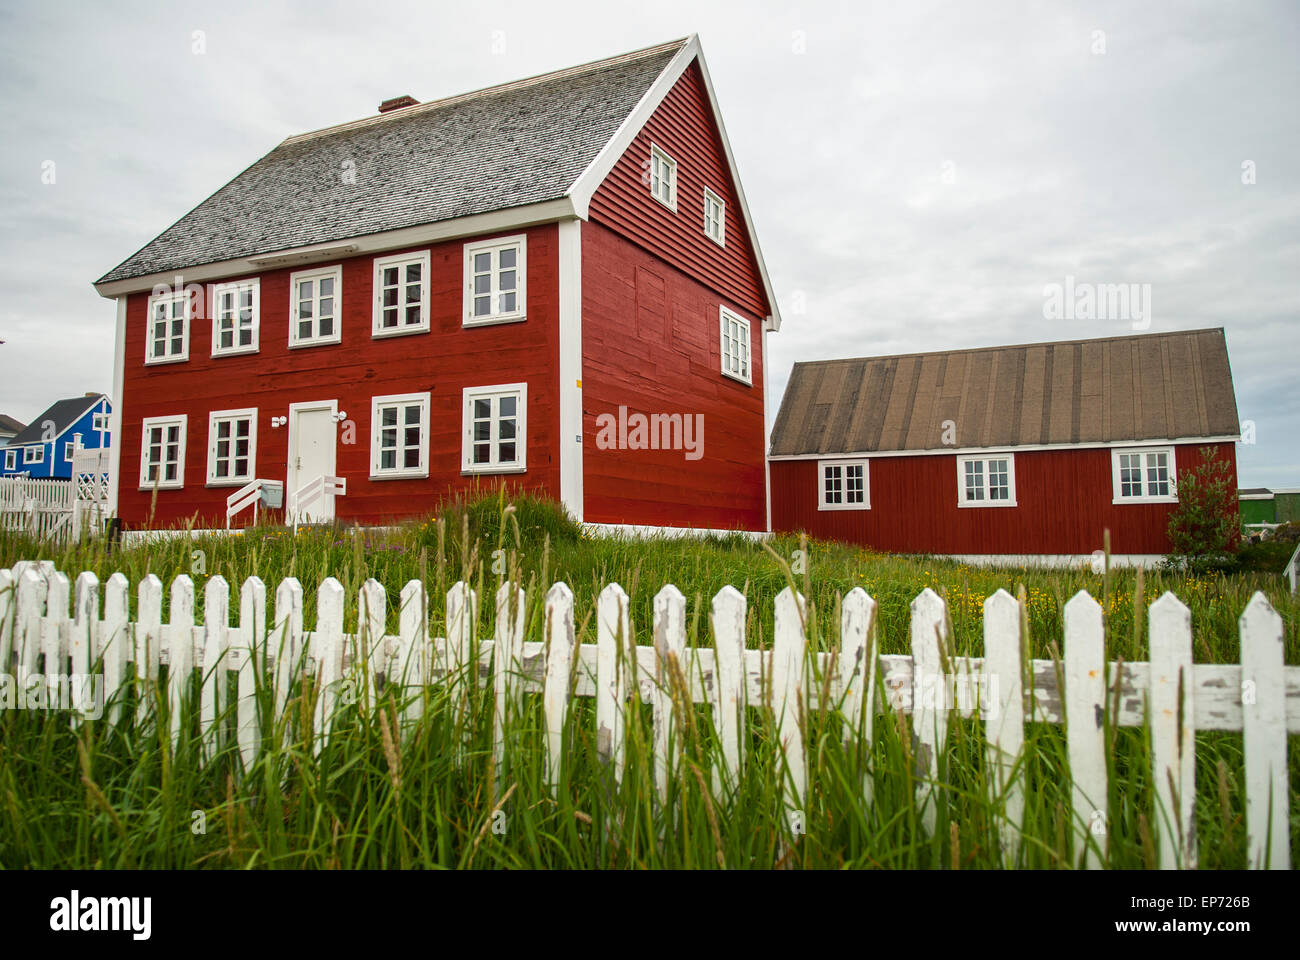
115 796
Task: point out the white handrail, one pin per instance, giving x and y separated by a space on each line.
313 490
249 494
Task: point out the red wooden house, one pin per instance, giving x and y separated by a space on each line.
1003 453
553 283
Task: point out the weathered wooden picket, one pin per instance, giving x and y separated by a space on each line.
1175 697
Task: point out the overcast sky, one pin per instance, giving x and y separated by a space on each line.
918 172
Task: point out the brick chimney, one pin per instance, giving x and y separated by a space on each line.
396 103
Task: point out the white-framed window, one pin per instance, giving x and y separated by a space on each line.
986 480
99 422
734 331
232 447
33 455
236 315
401 294
495 280
162 453
715 218
399 436
168 339
843 485
1144 475
69 448
663 177
11 459
495 429
315 306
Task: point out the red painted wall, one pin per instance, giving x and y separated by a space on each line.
683 126
442 361
1063 502
650 342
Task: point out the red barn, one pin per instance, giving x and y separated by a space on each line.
1003 453
553 283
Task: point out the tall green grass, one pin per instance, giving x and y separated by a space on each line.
381 795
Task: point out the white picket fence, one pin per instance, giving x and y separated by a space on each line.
43 508
1260 697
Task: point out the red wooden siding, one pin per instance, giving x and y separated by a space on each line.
650 342
1063 502
442 361
683 126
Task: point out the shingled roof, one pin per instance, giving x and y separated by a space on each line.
1159 386
63 413
507 146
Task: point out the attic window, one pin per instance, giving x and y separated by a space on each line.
735 346
715 218
663 178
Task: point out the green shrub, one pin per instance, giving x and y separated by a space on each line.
1203 528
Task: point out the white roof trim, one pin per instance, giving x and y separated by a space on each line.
1021 448
590 179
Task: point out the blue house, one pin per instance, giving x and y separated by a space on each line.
44 448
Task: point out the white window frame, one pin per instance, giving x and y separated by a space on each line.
824 465
151 358
725 316
33 454
399 400
11 459
984 458
69 448
720 238
400 261
99 422
495 392
233 480
335 273
149 423
494 247
1116 481
656 176
235 288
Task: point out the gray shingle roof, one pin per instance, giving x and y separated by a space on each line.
1147 387
506 146
64 413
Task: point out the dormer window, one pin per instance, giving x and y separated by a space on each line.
663 177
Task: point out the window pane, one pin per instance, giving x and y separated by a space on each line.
482 306
389 276
326 326
507 280
508 256
327 306
482 408
508 405
508 452
483 283
326 286
482 453
482 262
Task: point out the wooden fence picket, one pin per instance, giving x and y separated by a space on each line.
507 669
1173 737
1004 725
789 668
216 643
615 662
114 642
287 643
670 670
730 693
249 662
27 628
1264 733
148 650
54 626
931 698
83 643
370 657
461 667
8 604
856 680
410 672
180 649
559 668
1085 710
329 659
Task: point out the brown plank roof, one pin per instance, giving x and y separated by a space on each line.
1155 386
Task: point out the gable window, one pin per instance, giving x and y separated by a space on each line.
984 481
399 436
663 177
842 485
232 446
1144 475
33 455
735 346
11 459
69 448
169 328
401 294
162 453
494 280
314 312
99 421
495 429
235 317
715 218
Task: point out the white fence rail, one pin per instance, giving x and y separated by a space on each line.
1259 697
42 508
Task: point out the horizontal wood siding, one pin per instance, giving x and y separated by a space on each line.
1063 502
683 127
651 343
442 361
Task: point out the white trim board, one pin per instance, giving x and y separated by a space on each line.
1024 448
570 373
637 531
1047 560
589 181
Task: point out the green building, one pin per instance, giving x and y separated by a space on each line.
1260 505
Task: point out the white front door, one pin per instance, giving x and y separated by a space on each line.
311 456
